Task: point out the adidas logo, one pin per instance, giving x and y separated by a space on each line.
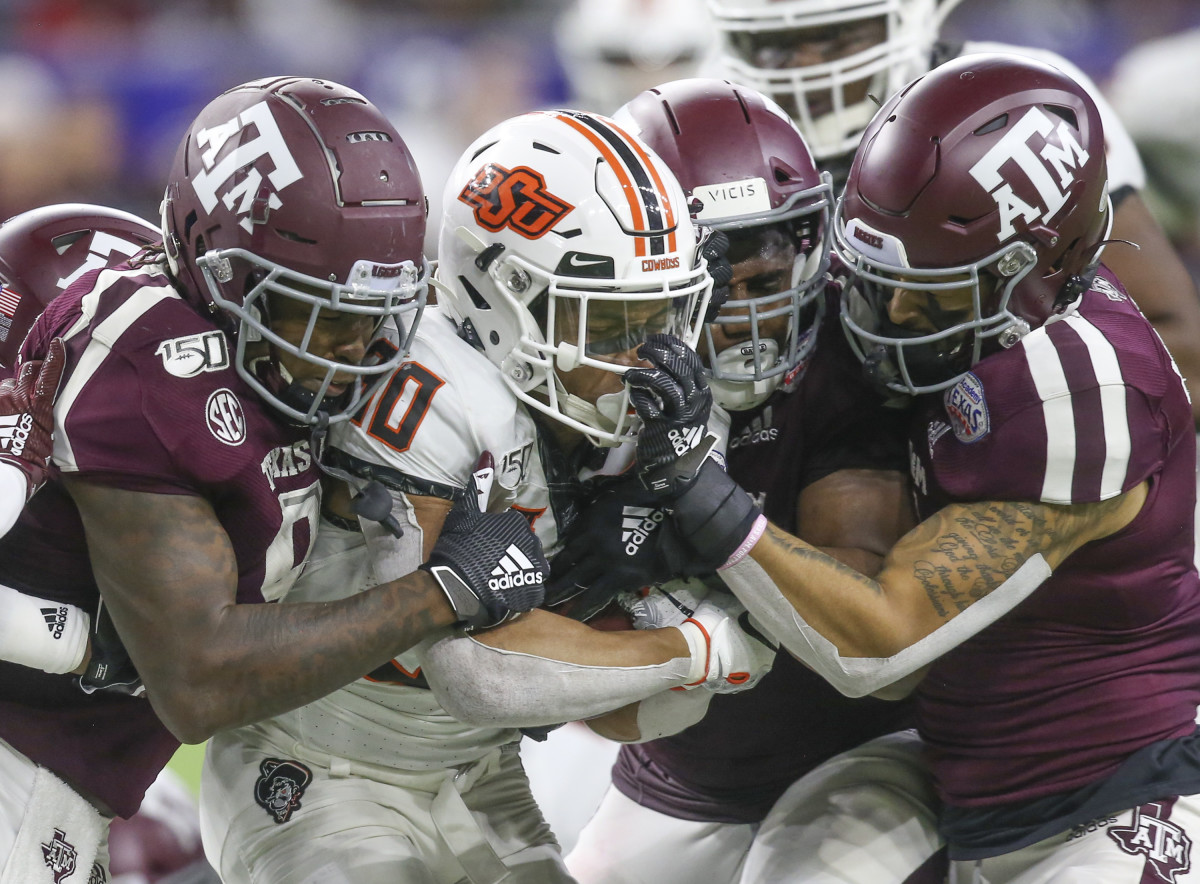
637 524
56 620
685 440
759 430
514 569
14 432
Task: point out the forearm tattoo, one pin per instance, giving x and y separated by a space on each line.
958 555
972 549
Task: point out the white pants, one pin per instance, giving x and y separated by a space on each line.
1151 843
866 816
322 820
625 843
48 831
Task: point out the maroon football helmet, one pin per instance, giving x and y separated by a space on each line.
980 193
44 250
747 171
297 188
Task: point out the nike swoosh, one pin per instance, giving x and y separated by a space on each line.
573 261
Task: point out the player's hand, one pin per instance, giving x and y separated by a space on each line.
715 248
729 653
673 400
612 547
27 415
489 565
108 666
660 607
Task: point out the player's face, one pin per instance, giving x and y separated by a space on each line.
809 47
924 312
613 332
762 267
337 336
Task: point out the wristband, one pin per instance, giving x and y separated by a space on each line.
41 634
14 490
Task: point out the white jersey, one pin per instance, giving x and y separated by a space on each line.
445 405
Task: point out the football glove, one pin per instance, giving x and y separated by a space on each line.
715 250
673 401
109 667
489 565
612 547
729 653
660 607
27 415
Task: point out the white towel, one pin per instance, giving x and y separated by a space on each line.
59 836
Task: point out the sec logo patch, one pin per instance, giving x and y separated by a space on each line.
225 418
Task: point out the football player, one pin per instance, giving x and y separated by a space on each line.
565 244
198 384
1049 598
809 439
43 251
828 63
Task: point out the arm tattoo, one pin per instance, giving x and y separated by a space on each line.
802 550
970 549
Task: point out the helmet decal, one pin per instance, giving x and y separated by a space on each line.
622 262
349 240
975 210
249 192
1065 160
640 180
513 198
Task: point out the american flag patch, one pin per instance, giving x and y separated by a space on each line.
9 301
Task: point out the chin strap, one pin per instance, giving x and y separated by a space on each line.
371 500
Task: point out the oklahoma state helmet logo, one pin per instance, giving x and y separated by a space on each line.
515 198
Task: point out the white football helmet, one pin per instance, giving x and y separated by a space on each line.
613 49
565 242
821 58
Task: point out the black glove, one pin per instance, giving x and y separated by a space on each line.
613 546
489 565
715 249
26 439
712 517
109 667
673 401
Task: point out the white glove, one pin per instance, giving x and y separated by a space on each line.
663 606
729 653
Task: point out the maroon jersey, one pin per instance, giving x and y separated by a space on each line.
150 402
735 763
1104 657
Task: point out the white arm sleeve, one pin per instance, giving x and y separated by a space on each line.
13 488
42 634
669 712
486 687
859 676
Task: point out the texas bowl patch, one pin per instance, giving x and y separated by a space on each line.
966 409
